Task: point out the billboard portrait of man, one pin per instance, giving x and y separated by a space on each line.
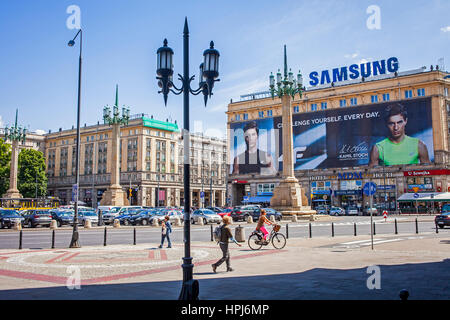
398 148
253 160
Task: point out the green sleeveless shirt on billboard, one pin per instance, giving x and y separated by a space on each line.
405 152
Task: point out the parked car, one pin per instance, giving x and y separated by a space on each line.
442 220
9 217
207 215
141 217
270 212
109 216
352 211
215 209
367 211
62 217
243 212
225 212
83 216
337 211
321 210
34 218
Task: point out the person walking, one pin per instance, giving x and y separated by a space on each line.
166 230
223 243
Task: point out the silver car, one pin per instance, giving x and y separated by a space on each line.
83 216
207 215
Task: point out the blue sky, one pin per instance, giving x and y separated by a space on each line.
38 71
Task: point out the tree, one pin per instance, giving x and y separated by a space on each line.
32 169
5 164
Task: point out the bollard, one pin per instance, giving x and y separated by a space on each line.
310 231
272 218
17 226
87 224
53 225
287 231
239 234
104 238
117 223
417 226
249 219
20 240
437 231
374 229
294 218
354 227
200 221
395 224
212 237
332 229
53 239
134 236
177 222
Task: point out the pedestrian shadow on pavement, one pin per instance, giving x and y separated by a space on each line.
424 281
445 241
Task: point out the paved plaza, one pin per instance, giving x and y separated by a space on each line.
318 268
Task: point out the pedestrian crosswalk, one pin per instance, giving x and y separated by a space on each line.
368 242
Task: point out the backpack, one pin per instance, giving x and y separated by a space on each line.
218 233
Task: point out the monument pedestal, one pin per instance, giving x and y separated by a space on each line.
12 194
289 199
114 196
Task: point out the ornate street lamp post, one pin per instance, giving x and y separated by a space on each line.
16 135
209 72
74 243
115 196
288 196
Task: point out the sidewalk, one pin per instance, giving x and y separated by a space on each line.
319 268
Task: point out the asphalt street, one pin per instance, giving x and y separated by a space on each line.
41 238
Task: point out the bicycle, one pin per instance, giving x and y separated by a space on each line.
256 239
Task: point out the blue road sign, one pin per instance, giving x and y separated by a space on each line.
202 194
246 198
416 195
369 188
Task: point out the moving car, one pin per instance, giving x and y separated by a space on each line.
351 211
9 217
34 218
207 215
372 210
442 220
337 211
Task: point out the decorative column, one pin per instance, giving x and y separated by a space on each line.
115 196
15 135
288 197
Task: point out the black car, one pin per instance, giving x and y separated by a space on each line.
142 217
63 217
271 212
8 218
442 220
242 213
34 218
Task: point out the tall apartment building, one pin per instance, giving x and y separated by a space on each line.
151 163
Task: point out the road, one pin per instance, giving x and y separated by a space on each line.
41 238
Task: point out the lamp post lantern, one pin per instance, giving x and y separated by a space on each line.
209 72
74 243
16 135
288 196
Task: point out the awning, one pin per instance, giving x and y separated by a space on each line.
258 199
444 196
423 196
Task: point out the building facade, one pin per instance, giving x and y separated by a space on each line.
151 163
335 128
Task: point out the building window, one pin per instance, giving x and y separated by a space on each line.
314 107
261 114
353 101
269 113
323 105
408 94
374 98
342 103
421 92
446 92
386 97
296 109
238 117
245 116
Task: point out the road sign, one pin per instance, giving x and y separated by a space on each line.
325 197
385 215
416 195
369 188
202 194
246 198
415 189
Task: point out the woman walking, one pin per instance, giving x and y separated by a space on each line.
225 235
165 232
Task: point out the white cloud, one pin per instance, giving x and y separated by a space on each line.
364 60
351 56
1 122
40 132
445 29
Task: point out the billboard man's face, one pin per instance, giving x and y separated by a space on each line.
396 125
251 137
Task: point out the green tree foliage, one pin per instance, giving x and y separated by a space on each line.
5 161
32 165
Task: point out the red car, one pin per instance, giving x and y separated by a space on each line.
225 212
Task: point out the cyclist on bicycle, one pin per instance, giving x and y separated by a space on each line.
261 221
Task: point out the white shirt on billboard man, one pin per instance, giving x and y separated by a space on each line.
253 160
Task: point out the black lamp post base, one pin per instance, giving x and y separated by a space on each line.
189 291
74 243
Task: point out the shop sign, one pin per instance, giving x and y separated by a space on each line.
420 186
426 173
327 192
240 181
347 192
350 176
385 187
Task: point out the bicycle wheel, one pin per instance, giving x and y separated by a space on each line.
254 242
279 241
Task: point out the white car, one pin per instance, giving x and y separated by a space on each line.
208 216
83 216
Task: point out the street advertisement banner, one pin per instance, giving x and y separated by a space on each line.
389 133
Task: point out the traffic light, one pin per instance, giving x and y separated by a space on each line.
131 190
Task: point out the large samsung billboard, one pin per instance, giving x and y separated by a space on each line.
390 133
